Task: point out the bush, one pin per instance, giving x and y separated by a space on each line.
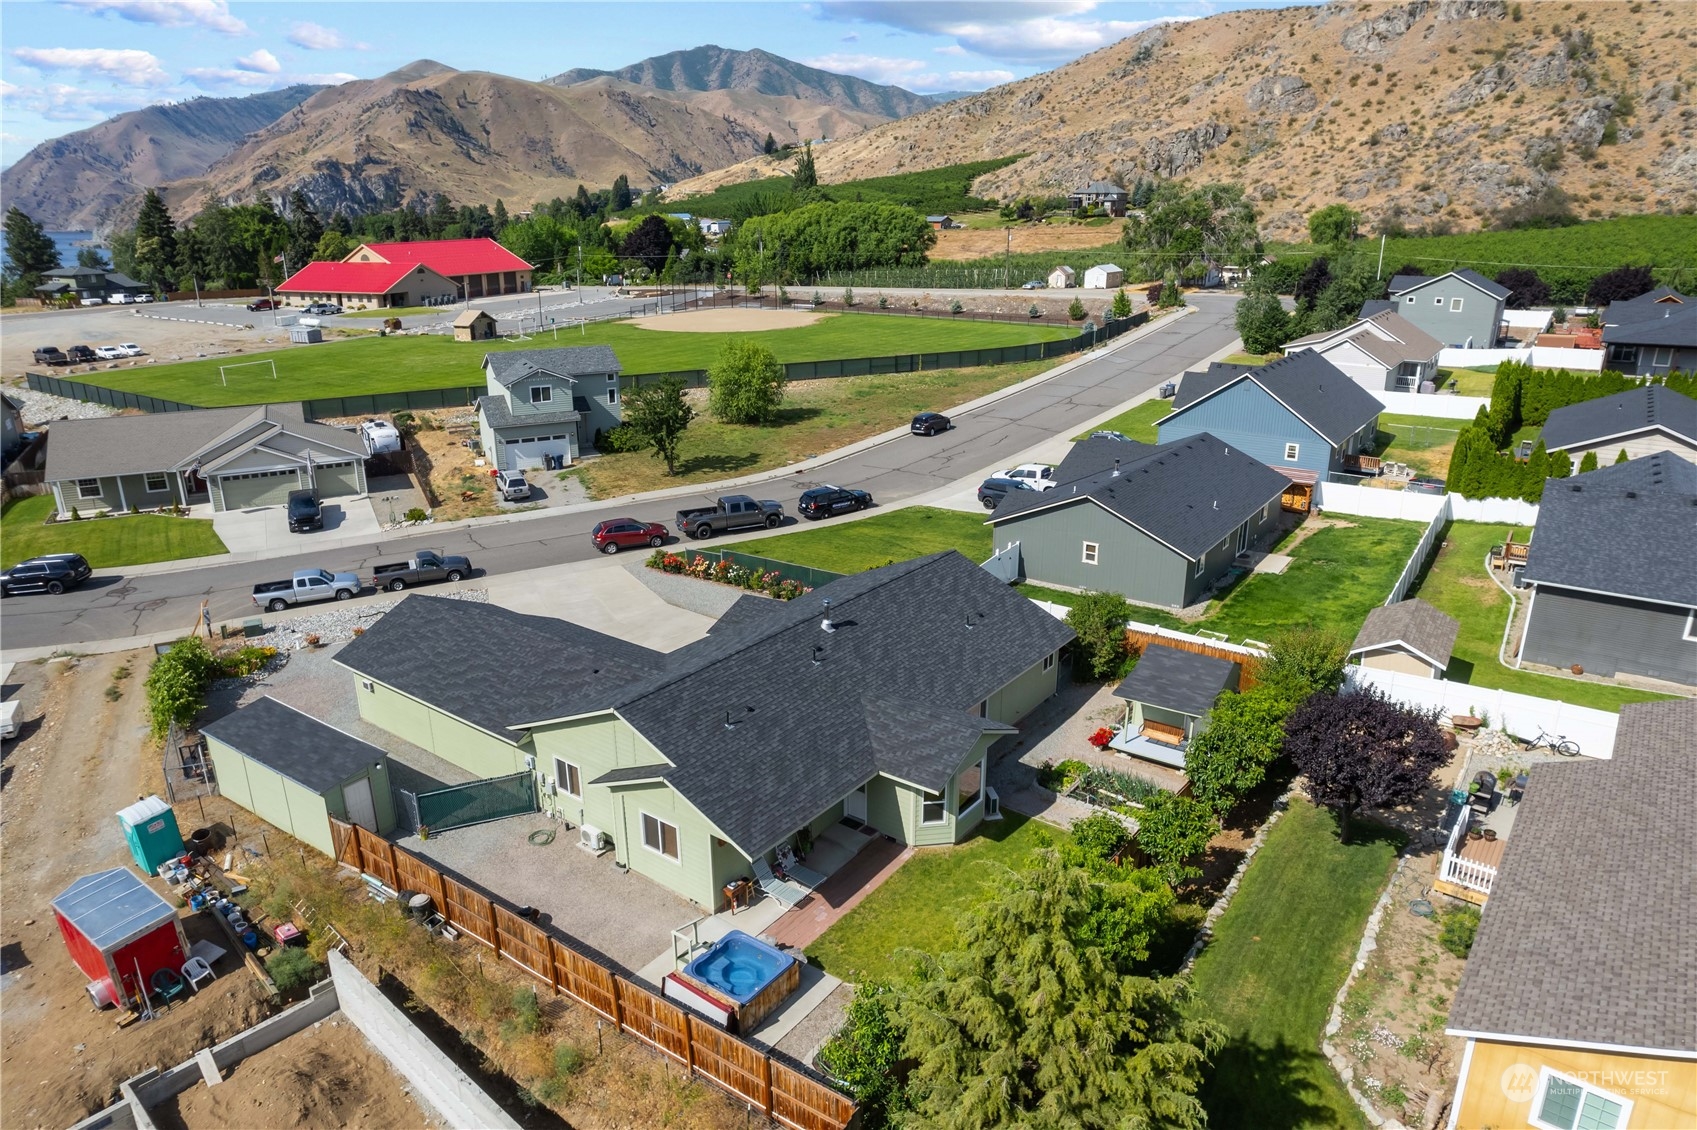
1076 311
293 970
176 686
1172 829
746 383
1459 928
1099 619
416 514
866 1054
1057 778
1100 837
1262 323
527 1016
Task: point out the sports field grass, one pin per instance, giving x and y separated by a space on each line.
397 364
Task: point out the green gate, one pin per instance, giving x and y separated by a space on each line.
478 802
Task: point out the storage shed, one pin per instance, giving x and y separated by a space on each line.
1103 276
151 829
294 771
119 929
1063 277
474 325
1168 696
1410 636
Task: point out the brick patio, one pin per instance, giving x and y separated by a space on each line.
839 893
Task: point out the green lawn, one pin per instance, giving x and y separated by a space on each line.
375 364
1423 442
854 547
1140 612
1138 423
138 539
917 907
1470 382
1336 577
1277 959
1458 584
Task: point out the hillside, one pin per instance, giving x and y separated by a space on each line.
1437 112
758 72
72 182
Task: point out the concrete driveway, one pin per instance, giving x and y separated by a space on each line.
603 595
265 529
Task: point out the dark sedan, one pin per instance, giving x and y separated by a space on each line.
822 502
930 423
51 574
993 489
627 533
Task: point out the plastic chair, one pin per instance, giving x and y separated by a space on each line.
167 986
195 971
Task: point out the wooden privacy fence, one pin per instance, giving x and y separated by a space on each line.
1138 639
785 1095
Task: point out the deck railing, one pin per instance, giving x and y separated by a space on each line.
1469 873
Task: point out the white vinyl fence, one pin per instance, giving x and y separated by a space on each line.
1423 552
1520 714
1543 356
1438 404
1412 506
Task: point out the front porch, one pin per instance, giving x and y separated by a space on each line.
1152 741
1473 853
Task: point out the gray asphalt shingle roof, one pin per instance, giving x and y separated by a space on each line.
1404 283
1306 383
567 361
1174 679
1629 530
1413 623
1674 325
1590 933
500 415
163 441
1644 307
1651 406
1189 493
297 745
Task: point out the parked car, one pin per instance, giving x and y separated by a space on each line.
80 355
930 423
425 565
53 573
1033 284
1039 475
323 308
380 437
130 349
304 512
263 304
93 300
627 533
144 298
1111 435
306 586
109 353
732 512
993 489
513 486
120 299
50 355
822 502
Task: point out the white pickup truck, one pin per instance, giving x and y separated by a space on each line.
306 586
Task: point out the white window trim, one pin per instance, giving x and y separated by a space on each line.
164 486
83 491
643 819
542 394
1438 300
1545 1076
983 779
563 773
1455 306
1691 626
1265 506
1412 300
1049 662
1201 564
367 686
1293 451
612 396
942 800
1092 554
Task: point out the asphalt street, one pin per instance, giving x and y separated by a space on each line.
113 606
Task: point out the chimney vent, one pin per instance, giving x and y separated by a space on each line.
826 625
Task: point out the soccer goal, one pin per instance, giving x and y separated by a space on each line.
269 366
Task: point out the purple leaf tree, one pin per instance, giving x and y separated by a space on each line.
1360 748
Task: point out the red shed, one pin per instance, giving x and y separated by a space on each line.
117 926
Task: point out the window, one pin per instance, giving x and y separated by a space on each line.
1411 300
157 482
1092 553
1691 625
1624 354
566 777
612 396
1409 369
931 809
1663 357
1292 450
541 394
1049 662
1455 306
1266 506
1201 564
659 836
88 488
612 376
1567 1104
969 786
1438 301
367 686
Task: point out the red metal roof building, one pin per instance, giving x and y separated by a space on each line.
413 274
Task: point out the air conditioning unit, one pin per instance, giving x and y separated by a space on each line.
592 839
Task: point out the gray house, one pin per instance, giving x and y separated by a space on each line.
1384 352
1100 194
1157 523
546 404
88 282
1462 309
234 458
1613 585
1639 421
1653 337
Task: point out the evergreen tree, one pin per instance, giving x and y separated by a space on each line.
1621 458
1561 465
621 193
581 204
29 252
500 217
304 231
92 257
1262 323
340 224
156 240
1588 463
1537 470
1122 304
806 176
770 147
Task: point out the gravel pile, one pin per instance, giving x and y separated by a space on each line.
336 623
42 407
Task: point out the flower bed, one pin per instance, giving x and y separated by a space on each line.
703 568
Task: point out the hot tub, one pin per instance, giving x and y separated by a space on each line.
746 975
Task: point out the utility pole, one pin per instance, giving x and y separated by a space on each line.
1007 260
1381 270
580 272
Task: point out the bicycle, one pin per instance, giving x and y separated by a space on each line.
1556 743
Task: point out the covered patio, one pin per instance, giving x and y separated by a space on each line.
1168 696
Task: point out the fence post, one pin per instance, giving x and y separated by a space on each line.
494 927
766 1084
618 1008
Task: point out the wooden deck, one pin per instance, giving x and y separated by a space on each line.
839 894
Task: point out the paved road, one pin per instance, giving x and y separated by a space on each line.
114 606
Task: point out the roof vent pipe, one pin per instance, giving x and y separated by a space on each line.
825 625
818 649
1116 468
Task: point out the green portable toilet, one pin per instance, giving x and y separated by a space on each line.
151 828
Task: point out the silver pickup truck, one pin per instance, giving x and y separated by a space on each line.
732 512
306 586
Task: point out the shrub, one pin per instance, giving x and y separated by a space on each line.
866 1053
527 1016
1034 310
746 383
76 515
1076 311
620 438
416 514
955 307
1058 777
1172 829
1100 836
292 970
1099 619
176 686
1460 926
848 296
883 302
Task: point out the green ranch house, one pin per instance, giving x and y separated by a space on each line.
875 698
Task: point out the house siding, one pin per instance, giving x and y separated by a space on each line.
697 873
1475 325
382 798
1652 359
118 493
1663 1091
1395 659
884 809
442 734
1636 446
1129 561
274 798
1247 417
1022 695
1609 635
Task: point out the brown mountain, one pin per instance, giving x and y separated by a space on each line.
72 182
1447 111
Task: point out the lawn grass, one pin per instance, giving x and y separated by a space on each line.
1457 584
917 907
1138 423
1338 575
1139 612
1276 960
1423 442
136 539
1250 358
854 547
374 364
1470 382
399 311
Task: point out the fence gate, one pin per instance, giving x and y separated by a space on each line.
476 803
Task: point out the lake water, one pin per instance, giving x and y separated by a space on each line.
66 242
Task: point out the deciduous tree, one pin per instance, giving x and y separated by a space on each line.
1230 757
1301 661
1334 225
658 414
1262 323
1184 230
746 383
1619 285
1172 830
1361 748
1525 288
866 1053
1098 619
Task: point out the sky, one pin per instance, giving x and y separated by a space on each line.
66 64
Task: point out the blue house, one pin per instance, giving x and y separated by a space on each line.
1300 415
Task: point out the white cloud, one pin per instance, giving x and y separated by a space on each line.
875 68
1025 31
222 78
317 37
260 62
213 14
951 49
61 103
978 80
331 78
129 67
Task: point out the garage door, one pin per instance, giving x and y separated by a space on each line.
337 479
526 454
262 488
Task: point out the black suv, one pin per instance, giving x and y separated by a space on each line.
304 512
51 355
54 573
930 423
993 489
80 355
822 502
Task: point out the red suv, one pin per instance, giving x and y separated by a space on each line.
620 533
262 304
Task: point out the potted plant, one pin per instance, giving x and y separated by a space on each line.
312 640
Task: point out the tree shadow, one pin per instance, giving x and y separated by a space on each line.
793 414
718 464
1266 1087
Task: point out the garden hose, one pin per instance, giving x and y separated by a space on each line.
542 837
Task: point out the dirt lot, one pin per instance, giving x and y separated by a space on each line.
163 340
971 243
328 1075
729 321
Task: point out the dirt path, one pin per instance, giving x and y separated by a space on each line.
729 321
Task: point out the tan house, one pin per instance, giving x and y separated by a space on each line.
1410 636
474 325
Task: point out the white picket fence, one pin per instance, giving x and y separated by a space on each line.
1543 356
1439 404
1520 714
